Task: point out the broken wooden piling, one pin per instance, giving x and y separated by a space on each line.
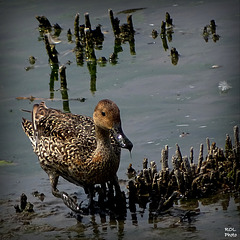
218 172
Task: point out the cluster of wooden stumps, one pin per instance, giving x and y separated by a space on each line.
209 31
24 205
86 40
166 32
219 171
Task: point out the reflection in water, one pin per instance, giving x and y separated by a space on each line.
53 78
174 56
185 217
164 42
92 68
210 31
86 41
64 92
166 36
98 228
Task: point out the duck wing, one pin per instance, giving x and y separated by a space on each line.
49 122
55 128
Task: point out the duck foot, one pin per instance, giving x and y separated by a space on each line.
70 202
67 200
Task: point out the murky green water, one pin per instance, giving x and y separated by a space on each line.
158 102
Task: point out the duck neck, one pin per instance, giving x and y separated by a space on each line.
102 136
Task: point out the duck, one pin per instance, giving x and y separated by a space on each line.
83 150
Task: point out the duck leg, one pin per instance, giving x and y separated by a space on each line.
112 198
119 200
89 190
104 190
54 181
116 186
102 195
90 196
67 200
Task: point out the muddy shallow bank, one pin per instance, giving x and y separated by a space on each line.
51 220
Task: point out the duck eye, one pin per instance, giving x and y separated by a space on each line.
103 113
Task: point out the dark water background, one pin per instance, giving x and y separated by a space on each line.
158 101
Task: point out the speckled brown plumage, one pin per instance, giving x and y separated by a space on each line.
83 150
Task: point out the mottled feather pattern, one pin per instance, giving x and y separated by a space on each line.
65 144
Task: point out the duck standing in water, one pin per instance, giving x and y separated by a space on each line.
83 150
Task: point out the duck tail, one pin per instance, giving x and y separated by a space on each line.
27 128
31 127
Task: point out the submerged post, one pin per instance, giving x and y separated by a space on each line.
228 146
76 28
145 163
236 141
191 155
178 153
50 51
62 72
208 144
200 158
164 158
115 23
130 24
87 21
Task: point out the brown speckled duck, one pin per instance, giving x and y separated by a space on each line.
84 150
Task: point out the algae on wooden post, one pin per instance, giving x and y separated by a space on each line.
114 22
200 158
89 52
44 23
76 28
145 163
228 146
69 35
174 56
236 142
87 21
164 158
169 21
64 92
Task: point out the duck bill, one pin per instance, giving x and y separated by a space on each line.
120 137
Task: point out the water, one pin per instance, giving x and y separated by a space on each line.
158 102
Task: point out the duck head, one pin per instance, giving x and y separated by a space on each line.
107 116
